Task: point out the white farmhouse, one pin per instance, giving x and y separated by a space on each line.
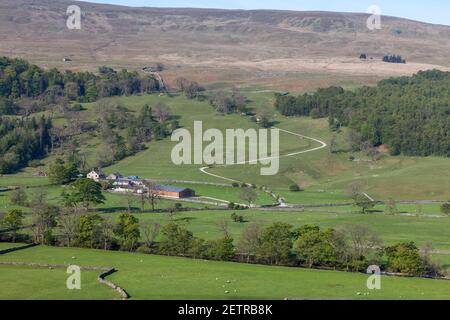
96 175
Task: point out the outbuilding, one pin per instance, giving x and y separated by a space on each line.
174 192
114 176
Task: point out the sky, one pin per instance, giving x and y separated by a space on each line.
433 11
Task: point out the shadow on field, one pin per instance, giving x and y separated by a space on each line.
116 209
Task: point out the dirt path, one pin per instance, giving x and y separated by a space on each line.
322 145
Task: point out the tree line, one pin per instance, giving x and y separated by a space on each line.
124 133
18 78
350 247
393 59
410 115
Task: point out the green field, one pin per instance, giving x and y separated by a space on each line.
156 277
391 229
227 193
20 180
443 260
113 202
24 283
324 177
327 176
390 177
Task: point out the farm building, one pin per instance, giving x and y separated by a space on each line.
96 175
114 176
123 183
174 192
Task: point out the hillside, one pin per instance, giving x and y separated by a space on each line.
247 46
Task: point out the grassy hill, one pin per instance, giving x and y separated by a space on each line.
326 177
315 171
275 49
261 52
156 277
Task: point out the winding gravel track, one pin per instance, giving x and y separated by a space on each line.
322 145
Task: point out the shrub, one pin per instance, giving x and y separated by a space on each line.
445 208
358 265
405 257
105 185
294 188
237 218
18 197
221 249
144 250
178 206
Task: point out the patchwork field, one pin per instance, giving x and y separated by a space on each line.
156 277
259 52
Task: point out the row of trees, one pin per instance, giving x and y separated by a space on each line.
19 78
394 59
76 228
411 115
351 247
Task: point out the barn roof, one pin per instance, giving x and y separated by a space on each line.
170 189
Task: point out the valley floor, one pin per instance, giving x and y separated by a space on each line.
157 277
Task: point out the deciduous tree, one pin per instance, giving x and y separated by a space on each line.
13 221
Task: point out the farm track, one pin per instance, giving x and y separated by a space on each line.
322 145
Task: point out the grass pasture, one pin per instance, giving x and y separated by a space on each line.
227 193
390 177
391 229
157 277
26 283
325 178
401 178
113 202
